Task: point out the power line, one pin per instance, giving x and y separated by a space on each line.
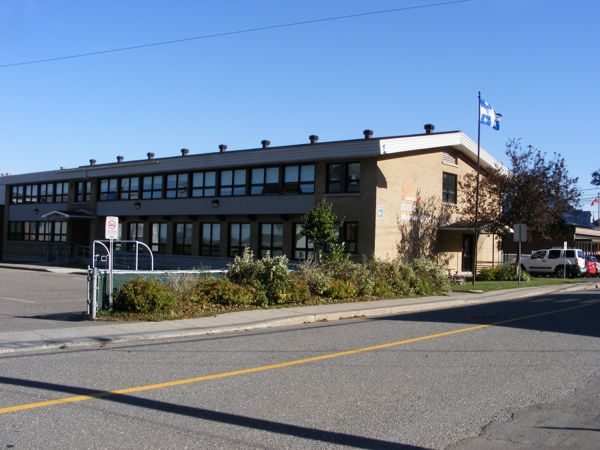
230 33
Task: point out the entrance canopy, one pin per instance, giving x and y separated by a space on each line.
57 215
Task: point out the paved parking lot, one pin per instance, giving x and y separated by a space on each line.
31 300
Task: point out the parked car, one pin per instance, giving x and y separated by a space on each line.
593 266
554 261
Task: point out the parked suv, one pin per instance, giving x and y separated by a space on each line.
554 260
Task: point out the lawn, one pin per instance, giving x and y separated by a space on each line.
486 286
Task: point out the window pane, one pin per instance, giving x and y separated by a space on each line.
258 176
272 175
227 177
246 234
291 174
353 177
278 235
307 173
210 179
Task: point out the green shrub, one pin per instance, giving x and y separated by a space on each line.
393 278
341 290
433 277
316 279
244 269
298 292
144 295
270 275
487 274
502 273
222 291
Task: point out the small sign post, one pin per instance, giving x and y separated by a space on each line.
111 232
520 235
565 260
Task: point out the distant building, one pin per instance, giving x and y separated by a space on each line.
203 209
579 217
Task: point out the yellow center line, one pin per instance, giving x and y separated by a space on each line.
166 384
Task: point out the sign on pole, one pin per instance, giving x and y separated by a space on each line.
111 228
111 232
520 234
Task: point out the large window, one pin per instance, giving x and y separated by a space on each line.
31 193
108 189
16 194
15 231
210 239
61 192
152 187
299 179
264 181
83 191
177 185
343 177
60 232
37 231
45 231
136 231
158 241
204 184
239 237
349 236
271 239
233 182
303 247
30 231
449 182
130 188
46 192
183 238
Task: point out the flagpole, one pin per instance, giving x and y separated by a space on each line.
476 234
598 203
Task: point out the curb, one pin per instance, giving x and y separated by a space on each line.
99 339
63 270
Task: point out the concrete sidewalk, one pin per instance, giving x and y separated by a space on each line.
113 332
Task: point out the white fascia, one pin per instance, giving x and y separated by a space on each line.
457 140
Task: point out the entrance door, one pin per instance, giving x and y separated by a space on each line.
467 253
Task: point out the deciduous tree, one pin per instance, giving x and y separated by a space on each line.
534 190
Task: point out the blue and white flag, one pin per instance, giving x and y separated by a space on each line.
488 116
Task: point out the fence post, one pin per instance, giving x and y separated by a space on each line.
94 292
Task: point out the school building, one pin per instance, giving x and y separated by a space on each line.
203 209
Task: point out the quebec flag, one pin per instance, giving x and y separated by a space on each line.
488 116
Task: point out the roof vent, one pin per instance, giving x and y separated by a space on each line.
222 148
313 138
120 159
92 162
265 143
184 152
368 134
150 155
429 127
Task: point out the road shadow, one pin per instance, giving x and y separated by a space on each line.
313 434
61 317
570 313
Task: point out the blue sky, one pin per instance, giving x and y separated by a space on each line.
536 61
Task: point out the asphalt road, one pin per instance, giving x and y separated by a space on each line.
32 300
424 380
